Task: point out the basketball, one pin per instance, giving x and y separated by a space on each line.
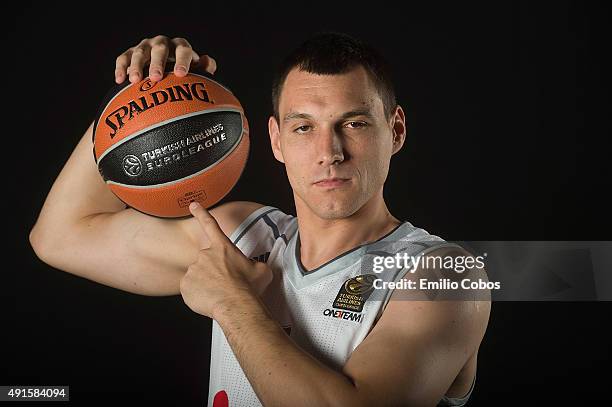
159 146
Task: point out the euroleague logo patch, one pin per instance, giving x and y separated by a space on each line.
351 298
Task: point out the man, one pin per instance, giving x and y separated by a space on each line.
300 326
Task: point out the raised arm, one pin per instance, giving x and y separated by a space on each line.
84 229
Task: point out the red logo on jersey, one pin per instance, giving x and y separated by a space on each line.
221 399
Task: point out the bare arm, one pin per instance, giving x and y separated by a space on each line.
84 229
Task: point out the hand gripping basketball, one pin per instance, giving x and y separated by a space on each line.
157 51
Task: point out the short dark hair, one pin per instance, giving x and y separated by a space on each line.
332 53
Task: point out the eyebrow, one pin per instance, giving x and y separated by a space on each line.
358 112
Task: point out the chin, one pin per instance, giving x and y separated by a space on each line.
335 209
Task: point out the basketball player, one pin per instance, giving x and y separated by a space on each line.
276 285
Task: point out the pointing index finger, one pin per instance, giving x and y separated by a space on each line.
208 223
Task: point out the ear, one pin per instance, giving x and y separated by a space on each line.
398 126
274 131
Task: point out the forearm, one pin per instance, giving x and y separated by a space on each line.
280 372
78 192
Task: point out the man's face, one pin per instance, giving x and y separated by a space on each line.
334 140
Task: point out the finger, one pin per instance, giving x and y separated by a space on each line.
184 54
121 64
195 58
209 64
208 224
159 56
141 54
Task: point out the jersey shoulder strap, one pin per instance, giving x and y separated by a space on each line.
258 233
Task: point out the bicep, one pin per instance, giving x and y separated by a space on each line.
139 253
127 250
416 350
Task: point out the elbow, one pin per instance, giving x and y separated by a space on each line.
41 244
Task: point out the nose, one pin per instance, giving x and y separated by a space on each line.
330 149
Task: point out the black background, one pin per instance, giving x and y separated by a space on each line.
508 108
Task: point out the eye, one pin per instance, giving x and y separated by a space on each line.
302 129
356 125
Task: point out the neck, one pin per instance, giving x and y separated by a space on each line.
323 239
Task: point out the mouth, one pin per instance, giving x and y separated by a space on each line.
332 182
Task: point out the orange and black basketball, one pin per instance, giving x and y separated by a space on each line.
160 146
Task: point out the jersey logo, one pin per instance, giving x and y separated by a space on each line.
221 399
351 298
262 258
354 293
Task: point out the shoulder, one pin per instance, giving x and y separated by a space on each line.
252 226
433 289
463 312
265 222
240 217
228 215
262 230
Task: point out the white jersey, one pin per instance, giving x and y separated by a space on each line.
327 311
